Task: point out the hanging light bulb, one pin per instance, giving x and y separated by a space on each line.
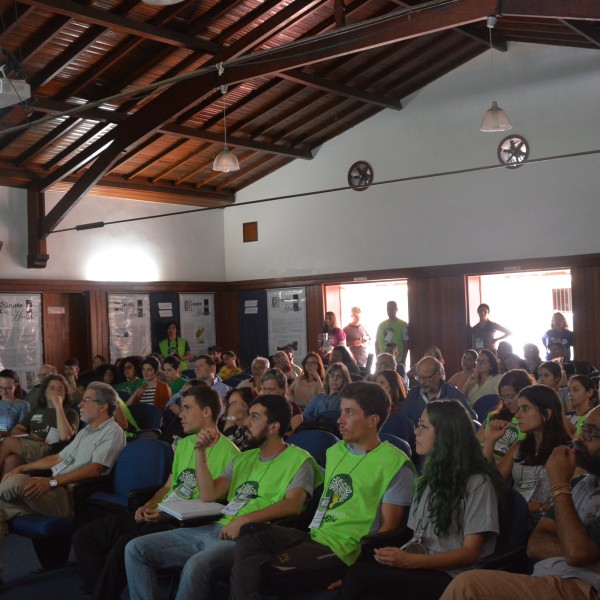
226 161
494 119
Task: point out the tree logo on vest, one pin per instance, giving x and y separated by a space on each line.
186 484
340 490
249 489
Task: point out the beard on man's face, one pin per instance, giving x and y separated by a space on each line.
256 441
584 459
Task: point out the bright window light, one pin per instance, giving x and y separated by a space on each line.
122 264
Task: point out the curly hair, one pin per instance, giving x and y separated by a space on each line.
455 457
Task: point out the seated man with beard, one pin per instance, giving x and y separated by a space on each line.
566 542
271 481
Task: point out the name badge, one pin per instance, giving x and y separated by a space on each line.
234 507
320 513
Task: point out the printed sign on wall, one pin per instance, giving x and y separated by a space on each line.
286 309
129 325
21 335
197 321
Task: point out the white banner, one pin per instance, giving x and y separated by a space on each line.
286 310
21 335
197 321
129 325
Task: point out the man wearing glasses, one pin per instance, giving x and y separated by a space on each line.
430 375
566 541
92 453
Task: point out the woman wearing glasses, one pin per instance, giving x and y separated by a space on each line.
540 418
310 383
324 409
453 516
485 379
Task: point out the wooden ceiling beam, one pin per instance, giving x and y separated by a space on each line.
340 89
114 22
390 29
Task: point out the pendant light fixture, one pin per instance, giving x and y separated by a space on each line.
226 161
494 119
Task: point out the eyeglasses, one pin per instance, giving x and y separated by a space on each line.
482 361
587 435
422 425
7 389
336 376
311 362
426 378
89 400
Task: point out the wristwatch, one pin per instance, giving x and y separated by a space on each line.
53 483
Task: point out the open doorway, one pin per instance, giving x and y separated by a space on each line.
372 298
523 303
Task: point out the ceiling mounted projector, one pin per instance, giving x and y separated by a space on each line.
13 91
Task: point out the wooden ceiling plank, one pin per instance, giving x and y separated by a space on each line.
236 142
559 9
586 30
73 147
129 155
175 164
45 141
340 89
89 14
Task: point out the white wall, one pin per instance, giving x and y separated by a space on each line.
182 248
552 96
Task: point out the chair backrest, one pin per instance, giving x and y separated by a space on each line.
142 464
147 416
124 395
484 405
354 378
396 441
514 527
315 442
400 426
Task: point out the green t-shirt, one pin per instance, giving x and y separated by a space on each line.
184 485
175 386
392 331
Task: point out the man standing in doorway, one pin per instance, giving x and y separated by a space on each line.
393 330
357 337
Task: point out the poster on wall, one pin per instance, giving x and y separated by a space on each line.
286 311
197 321
21 336
129 325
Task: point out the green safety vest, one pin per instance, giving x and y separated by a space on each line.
266 482
355 484
184 484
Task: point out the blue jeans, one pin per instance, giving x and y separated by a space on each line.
198 550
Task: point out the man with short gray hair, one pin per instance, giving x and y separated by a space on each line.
430 376
92 453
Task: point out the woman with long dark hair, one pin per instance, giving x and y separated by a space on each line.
540 417
341 354
453 516
331 335
583 396
508 389
310 382
485 379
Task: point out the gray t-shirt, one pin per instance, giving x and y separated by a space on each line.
586 499
478 513
101 445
